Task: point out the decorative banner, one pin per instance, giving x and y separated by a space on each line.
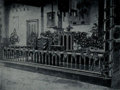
80 12
51 19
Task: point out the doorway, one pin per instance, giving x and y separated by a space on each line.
32 31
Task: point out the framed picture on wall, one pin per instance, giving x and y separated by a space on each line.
51 19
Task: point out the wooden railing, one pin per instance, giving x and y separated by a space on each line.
70 60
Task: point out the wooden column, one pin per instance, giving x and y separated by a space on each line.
42 19
111 35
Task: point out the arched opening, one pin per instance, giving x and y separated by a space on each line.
61 42
65 41
69 42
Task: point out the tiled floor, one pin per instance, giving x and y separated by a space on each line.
14 79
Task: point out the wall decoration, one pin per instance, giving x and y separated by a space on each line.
51 19
80 12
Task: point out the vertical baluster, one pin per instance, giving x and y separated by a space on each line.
48 58
14 54
59 59
63 60
52 56
89 64
71 61
94 66
79 61
33 56
71 42
52 60
67 60
6 53
9 54
19 54
99 64
3 53
27 59
42 57
84 62
37 57
55 59
57 54
45 58
63 39
67 41
28 55
75 61
25 55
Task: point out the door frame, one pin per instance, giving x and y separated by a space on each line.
32 20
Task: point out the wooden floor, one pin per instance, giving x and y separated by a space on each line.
72 74
16 79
